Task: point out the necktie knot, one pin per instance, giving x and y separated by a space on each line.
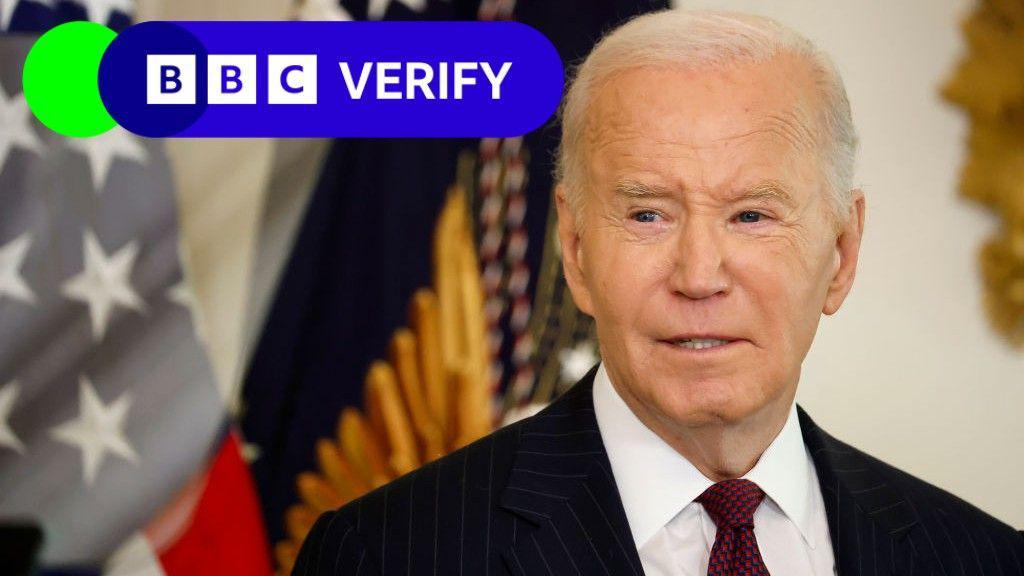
731 503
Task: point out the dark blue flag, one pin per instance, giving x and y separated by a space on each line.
366 245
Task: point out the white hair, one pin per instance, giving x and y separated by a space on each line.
695 38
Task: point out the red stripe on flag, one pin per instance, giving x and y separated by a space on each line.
225 534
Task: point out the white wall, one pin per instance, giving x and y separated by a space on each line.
908 369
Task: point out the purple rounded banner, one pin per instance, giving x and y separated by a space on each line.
331 79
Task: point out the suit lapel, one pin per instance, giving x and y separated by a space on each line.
562 484
575 522
870 523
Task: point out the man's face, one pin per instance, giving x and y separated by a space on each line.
705 217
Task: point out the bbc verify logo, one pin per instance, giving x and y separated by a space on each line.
292 79
230 79
330 79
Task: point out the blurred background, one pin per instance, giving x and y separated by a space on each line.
205 343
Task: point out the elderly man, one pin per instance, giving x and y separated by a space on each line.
707 220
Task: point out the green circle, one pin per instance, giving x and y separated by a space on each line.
61 79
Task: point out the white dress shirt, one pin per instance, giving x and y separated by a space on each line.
674 534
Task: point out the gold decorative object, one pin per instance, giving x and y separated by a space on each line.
988 84
431 396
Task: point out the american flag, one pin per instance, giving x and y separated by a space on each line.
110 418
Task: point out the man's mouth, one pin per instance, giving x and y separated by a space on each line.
700 343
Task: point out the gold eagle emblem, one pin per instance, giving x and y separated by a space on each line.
429 397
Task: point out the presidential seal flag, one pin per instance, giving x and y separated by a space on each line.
114 443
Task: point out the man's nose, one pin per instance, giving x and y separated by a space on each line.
699 266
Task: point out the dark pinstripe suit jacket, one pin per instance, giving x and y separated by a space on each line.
538 497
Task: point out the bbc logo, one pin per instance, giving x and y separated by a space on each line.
230 79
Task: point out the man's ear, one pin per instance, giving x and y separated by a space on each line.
847 250
572 259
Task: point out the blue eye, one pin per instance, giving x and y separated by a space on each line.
749 217
645 216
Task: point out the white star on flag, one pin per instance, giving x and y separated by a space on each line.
97 430
12 283
99 10
8 394
104 282
15 124
101 151
378 8
576 361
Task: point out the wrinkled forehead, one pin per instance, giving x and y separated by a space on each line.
732 116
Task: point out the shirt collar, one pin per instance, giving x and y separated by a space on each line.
655 482
786 473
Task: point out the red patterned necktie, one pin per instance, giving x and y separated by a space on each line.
731 505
